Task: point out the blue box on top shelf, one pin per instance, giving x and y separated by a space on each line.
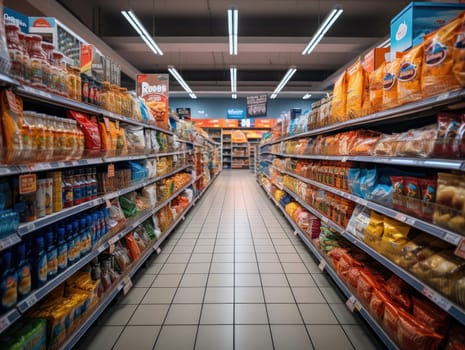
418 19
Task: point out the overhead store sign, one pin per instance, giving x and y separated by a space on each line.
256 106
216 123
235 113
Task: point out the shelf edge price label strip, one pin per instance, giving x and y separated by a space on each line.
127 285
322 265
4 323
350 303
460 250
438 299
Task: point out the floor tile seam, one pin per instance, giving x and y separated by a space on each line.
287 279
177 288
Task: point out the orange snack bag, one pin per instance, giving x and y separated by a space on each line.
338 104
12 121
375 84
409 85
355 89
437 71
390 81
459 52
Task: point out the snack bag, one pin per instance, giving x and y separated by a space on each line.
375 88
374 230
459 52
390 81
437 72
90 129
12 120
355 89
409 85
338 104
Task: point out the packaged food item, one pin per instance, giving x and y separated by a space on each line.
395 237
450 198
90 129
359 221
456 340
339 102
398 291
437 73
367 283
391 319
132 245
374 230
447 131
355 89
390 81
458 148
376 89
367 182
377 302
364 146
412 189
12 121
398 196
417 142
409 85
386 146
353 180
413 334
431 315
428 197
135 138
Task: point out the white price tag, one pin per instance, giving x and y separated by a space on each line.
4 323
158 251
452 238
344 159
32 300
295 233
363 202
350 303
324 219
410 221
438 299
400 217
322 265
127 285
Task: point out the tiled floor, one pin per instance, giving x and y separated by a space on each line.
232 276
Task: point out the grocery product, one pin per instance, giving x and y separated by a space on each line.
437 71
390 82
339 101
375 88
409 79
450 199
355 76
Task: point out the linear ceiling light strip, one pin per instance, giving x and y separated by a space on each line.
232 29
233 74
283 82
181 81
327 23
306 96
140 29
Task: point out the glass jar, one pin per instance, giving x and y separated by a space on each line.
47 68
14 49
38 60
60 85
77 74
26 70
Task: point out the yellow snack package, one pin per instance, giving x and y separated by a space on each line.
355 89
375 89
394 238
338 104
12 121
374 230
391 72
409 85
459 52
437 71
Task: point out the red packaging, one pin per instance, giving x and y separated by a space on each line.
412 191
398 195
431 315
90 129
395 287
366 284
456 339
458 148
428 188
391 319
413 334
377 302
448 127
353 276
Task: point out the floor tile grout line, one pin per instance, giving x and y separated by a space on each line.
332 311
177 288
261 284
287 279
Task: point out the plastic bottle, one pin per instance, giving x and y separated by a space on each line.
85 235
26 59
95 228
39 276
68 182
70 244
38 60
52 260
62 250
94 184
8 283
86 176
77 187
77 240
14 50
24 273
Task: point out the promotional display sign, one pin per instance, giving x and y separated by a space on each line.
256 106
184 113
154 89
216 123
235 113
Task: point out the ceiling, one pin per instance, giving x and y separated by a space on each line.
193 37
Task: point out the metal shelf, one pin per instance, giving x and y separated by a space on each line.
342 286
435 297
436 231
7 319
450 164
28 227
57 100
9 241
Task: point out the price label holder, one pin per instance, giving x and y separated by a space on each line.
350 303
400 217
460 250
9 241
127 285
4 323
111 248
158 251
322 265
111 170
438 299
452 238
27 183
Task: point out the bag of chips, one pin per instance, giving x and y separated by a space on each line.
338 104
355 89
390 81
376 89
409 85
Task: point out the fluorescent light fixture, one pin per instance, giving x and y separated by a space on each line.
327 23
232 27
140 29
181 81
283 82
306 96
234 96
233 73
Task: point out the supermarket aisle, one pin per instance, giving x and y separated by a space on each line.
232 276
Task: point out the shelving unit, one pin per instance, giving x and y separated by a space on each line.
405 113
240 155
207 149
